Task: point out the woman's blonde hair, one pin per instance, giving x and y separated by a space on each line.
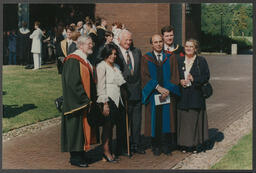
196 44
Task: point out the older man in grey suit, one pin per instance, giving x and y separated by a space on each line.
129 61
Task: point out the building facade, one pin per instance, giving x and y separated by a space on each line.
142 19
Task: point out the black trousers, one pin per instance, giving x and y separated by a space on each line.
161 139
116 117
121 145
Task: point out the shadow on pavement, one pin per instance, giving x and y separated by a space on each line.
214 136
45 67
13 110
95 155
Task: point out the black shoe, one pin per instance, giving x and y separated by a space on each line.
139 151
79 163
108 159
29 67
166 150
156 151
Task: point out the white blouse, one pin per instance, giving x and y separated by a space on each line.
189 63
109 81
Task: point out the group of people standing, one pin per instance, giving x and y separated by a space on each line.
112 83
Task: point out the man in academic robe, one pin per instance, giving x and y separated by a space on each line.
129 60
178 50
23 44
169 45
66 47
160 79
101 29
79 92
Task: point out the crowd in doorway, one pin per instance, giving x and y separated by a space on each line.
17 43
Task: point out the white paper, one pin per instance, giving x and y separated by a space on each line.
160 101
186 77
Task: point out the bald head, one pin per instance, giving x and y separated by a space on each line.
157 42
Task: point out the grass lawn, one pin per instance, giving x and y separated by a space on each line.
28 95
239 157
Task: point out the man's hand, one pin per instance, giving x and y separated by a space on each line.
106 109
163 91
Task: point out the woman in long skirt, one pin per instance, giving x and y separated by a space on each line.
192 123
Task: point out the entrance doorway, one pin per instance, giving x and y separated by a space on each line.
49 15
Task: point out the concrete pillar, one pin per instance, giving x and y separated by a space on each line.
234 49
23 13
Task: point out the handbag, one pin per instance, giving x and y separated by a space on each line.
95 117
206 88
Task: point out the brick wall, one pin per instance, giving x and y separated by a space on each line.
143 20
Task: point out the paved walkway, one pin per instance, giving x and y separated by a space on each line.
231 77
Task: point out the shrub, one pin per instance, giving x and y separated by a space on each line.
215 43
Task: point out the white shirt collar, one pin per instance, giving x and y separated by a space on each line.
161 56
167 46
123 49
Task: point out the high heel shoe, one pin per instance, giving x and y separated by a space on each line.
108 159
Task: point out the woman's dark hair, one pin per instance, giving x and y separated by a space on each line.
107 50
109 33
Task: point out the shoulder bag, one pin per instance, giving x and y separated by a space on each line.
206 87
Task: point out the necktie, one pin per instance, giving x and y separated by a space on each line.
159 58
129 63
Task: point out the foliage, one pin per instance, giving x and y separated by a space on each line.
213 43
28 95
236 18
239 157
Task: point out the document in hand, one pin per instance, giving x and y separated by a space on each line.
160 101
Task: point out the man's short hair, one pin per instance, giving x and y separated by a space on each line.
151 38
37 23
120 36
71 28
81 40
167 28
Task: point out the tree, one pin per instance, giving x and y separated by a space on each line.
236 17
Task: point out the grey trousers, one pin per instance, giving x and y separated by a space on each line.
134 116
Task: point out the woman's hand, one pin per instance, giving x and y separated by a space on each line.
190 77
106 109
183 83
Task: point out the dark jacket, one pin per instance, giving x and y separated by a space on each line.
191 97
60 53
133 81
